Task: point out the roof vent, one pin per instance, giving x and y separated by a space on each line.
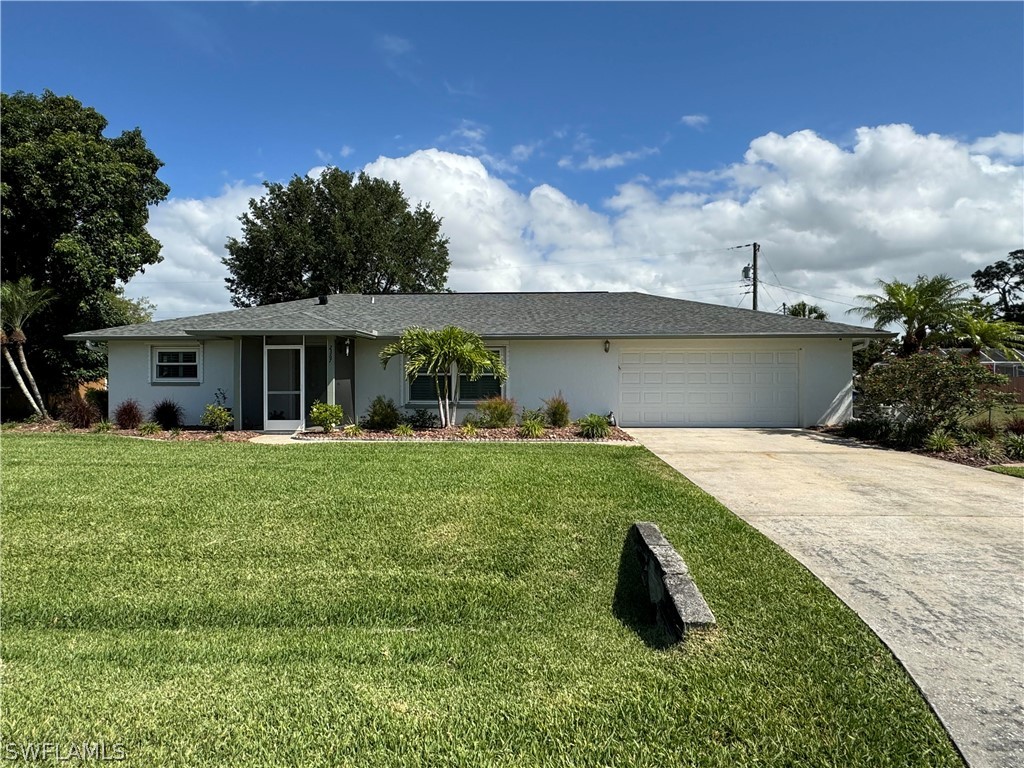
321 299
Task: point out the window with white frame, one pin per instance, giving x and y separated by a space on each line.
175 364
421 389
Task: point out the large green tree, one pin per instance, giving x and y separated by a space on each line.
1004 282
337 233
75 204
928 304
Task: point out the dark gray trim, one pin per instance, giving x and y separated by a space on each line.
175 383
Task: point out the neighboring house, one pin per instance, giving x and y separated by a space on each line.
654 361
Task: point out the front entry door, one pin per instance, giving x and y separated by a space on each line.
282 376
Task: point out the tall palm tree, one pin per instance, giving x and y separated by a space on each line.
436 353
18 302
803 309
928 304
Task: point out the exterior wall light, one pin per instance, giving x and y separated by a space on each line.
607 346
348 347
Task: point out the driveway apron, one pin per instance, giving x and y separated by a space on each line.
929 553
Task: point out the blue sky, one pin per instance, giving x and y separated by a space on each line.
630 126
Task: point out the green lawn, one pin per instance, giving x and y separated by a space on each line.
1012 471
403 605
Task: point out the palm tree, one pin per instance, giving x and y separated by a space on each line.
18 302
803 309
928 304
980 330
435 353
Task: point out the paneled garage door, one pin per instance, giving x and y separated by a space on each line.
692 388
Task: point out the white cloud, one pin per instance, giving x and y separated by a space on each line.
831 220
190 279
323 157
1003 145
393 45
694 121
346 150
521 152
616 160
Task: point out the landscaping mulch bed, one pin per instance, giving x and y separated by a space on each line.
195 434
186 434
959 455
455 434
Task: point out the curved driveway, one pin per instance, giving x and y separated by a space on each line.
930 554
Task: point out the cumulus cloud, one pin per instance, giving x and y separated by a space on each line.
831 220
694 121
190 279
346 150
1004 145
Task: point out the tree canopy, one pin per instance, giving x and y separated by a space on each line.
1004 281
803 309
338 233
74 214
921 307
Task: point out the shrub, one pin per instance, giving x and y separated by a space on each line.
404 430
422 418
352 430
62 426
383 415
1013 443
531 428
593 426
149 428
78 412
168 414
931 391
532 414
176 432
557 411
1015 425
940 441
100 399
469 429
496 412
990 451
128 415
983 427
102 426
216 417
325 415
970 438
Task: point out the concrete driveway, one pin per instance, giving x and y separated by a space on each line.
930 554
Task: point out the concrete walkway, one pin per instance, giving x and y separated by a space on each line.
930 554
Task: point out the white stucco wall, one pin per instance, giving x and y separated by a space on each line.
129 376
588 376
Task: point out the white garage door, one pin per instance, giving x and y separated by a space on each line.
694 388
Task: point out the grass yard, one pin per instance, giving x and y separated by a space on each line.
412 605
1012 471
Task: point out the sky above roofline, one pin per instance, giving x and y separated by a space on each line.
574 146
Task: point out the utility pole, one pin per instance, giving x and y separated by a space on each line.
747 274
756 249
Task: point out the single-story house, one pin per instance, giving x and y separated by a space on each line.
653 361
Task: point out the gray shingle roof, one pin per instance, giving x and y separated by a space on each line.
505 315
